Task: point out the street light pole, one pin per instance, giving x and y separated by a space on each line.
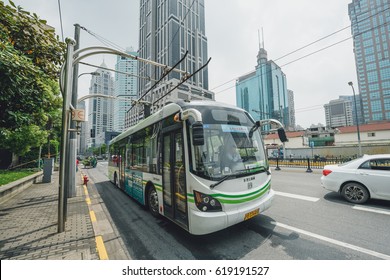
89 73
357 120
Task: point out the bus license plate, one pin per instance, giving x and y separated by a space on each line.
251 214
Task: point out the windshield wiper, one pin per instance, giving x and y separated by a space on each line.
212 186
239 172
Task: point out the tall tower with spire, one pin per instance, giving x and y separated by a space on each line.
100 115
263 92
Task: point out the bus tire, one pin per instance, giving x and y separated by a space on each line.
153 202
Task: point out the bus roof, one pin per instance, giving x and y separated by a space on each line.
169 110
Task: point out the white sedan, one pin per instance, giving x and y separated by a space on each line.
359 179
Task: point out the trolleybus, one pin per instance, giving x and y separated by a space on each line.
201 164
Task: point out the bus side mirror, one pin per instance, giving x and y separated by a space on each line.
197 134
282 135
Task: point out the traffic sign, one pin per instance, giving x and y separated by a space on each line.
78 115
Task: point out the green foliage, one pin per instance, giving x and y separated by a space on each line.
23 138
11 176
30 100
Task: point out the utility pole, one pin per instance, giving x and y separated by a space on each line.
357 120
71 192
66 91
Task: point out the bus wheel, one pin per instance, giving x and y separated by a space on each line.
153 202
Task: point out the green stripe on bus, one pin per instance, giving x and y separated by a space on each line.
235 199
225 201
158 187
216 195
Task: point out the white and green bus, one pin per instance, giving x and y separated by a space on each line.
201 164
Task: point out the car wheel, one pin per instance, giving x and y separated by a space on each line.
355 193
153 202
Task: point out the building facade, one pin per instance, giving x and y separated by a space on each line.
339 113
168 29
263 92
371 38
100 115
291 110
125 89
356 106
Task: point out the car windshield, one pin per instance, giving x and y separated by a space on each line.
229 149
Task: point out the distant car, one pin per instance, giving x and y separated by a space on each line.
360 179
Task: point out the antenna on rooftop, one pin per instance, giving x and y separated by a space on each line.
261 38
262 35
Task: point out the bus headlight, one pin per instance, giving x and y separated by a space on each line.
206 202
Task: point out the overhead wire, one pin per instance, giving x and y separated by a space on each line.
310 44
103 40
60 13
300 58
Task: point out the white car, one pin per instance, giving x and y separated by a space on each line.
359 179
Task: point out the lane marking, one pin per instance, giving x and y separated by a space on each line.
297 196
101 248
334 241
369 209
85 190
93 216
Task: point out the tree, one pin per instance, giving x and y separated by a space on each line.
30 100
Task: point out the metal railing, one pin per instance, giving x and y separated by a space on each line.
308 163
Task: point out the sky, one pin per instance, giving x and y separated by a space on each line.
316 74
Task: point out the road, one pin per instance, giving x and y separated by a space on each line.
305 222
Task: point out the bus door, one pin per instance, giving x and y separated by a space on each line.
174 182
121 165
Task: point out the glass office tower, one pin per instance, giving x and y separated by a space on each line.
168 29
126 81
100 115
370 29
263 92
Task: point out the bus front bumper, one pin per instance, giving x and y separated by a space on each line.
208 222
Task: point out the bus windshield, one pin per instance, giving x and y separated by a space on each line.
229 148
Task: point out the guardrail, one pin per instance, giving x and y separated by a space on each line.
307 163
9 190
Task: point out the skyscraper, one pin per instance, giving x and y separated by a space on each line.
371 37
100 109
168 29
263 92
126 81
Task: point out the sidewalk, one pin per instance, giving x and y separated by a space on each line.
28 226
